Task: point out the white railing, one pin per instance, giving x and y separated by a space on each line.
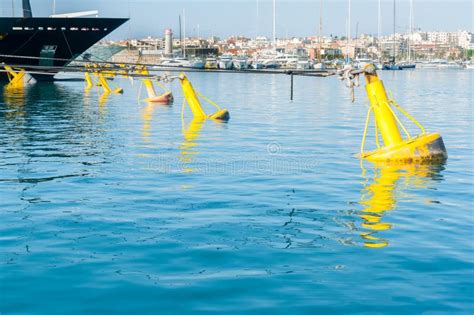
76 14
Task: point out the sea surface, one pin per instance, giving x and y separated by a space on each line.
110 205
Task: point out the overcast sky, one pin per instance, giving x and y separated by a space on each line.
241 17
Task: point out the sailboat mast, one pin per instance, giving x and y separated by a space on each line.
356 38
181 35
258 19
379 26
347 40
320 28
411 30
394 30
274 25
348 28
184 32
349 25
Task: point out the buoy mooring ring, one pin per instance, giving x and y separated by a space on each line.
428 148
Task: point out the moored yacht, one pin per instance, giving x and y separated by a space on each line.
175 62
240 63
211 63
225 62
197 63
304 64
319 66
469 65
406 65
439 64
360 63
180 62
256 64
49 43
270 64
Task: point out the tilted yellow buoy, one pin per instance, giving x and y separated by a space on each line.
425 148
105 85
102 76
165 98
18 78
191 97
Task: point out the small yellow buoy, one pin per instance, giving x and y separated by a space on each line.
105 85
166 98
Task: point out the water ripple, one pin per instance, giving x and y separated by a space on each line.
112 206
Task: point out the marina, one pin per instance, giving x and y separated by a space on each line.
245 176
141 197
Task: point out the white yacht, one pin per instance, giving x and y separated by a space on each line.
256 64
432 64
469 65
319 66
180 62
175 62
450 65
275 61
303 64
360 63
439 64
225 62
428 65
197 63
270 64
286 60
240 63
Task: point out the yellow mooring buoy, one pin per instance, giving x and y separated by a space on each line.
191 97
165 99
425 148
105 84
102 77
18 79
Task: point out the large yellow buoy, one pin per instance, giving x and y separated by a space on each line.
424 148
192 99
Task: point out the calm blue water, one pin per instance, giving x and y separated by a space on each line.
112 206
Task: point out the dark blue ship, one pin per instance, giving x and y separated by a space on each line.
48 43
